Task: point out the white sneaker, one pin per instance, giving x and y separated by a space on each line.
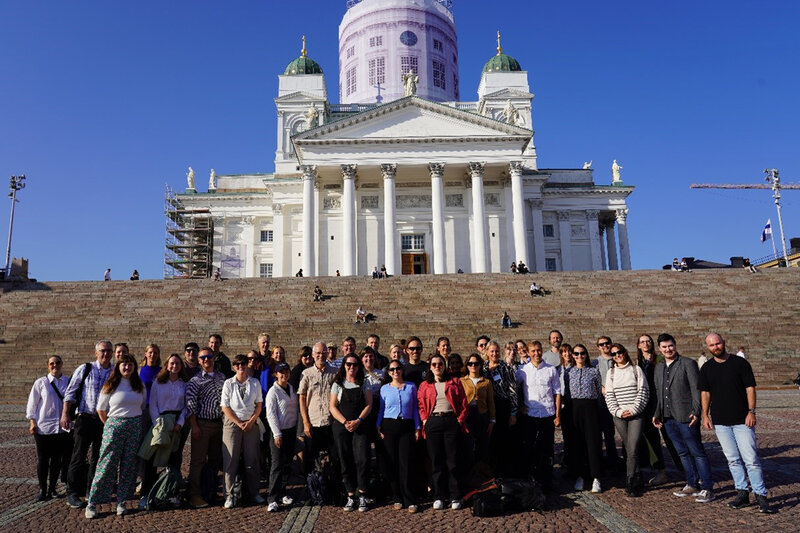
362 505
596 486
350 505
228 502
273 507
579 484
438 505
90 512
455 505
258 499
687 490
121 509
704 496
287 500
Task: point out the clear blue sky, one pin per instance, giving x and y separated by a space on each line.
102 103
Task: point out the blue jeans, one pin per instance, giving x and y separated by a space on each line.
689 445
739 446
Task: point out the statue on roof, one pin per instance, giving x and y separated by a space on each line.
410 81
190 179
212 181
615 175
510 113
312 117
587 165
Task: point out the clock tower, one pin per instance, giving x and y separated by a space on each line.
381 40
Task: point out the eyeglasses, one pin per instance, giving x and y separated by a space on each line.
191 350
239 364
395 369
436 365
482 345
614 354
350 365
603 343
579 354
473 363
414 348
206 357
56 363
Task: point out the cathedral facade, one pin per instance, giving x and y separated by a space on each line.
415 180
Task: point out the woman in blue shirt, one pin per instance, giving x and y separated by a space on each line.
398 420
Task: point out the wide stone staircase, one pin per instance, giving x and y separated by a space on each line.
760 311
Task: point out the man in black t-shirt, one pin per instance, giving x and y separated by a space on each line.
416 369
728 395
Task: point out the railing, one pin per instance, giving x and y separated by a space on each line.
766 259
446 3
351 108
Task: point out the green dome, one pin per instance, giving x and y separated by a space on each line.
303 65
502 63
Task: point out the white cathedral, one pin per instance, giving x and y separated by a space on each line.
419 182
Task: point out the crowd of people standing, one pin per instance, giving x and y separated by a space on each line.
430 427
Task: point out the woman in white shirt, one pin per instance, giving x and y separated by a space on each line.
281 407
241 404
120 408
53 444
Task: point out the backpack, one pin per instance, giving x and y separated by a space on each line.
488 503
73 412
522 495
165 490
321 481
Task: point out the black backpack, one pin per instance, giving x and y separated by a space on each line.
522 495
489 503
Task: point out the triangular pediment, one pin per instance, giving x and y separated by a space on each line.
297 96
412 118
508 93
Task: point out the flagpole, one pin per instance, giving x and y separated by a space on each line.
774 250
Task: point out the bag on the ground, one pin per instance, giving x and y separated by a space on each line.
522 495
321 482
488 503
164 494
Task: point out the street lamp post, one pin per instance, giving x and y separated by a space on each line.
17 183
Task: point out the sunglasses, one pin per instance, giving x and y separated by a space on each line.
56 363
614 354
578 354
473 363
603 343
349 365
395 369
435 365
414 348
206 357
239 364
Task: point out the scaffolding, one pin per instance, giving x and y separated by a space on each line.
189 239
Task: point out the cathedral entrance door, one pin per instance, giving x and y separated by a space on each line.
415 263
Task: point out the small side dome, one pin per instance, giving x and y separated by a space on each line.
303 64
501 62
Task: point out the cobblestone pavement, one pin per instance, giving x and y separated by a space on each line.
657 511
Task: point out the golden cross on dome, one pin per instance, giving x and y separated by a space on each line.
303 51
499 48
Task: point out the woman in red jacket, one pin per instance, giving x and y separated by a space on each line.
443 412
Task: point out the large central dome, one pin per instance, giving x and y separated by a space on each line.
381 40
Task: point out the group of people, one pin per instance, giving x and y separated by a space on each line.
428 427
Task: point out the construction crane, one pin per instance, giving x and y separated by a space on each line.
773 182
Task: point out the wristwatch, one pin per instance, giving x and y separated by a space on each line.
753 411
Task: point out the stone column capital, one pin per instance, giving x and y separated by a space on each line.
436 169
309 172
592 214
277 209
563 215
515 168
349 171
388 170
536 203
476 168
622 215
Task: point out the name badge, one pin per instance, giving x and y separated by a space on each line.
496 377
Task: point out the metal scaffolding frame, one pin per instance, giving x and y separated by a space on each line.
189 240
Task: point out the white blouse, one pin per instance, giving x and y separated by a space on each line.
169 396
124 402
44 405
243 408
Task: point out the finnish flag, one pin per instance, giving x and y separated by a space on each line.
767 233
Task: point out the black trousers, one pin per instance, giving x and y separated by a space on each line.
398 440
442 438
608 430
321 441
281 462
539 438
504 438
53 453
586 448
353 451
87 433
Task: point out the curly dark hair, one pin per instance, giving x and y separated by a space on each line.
340 375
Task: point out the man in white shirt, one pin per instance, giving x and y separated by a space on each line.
740 353
541 411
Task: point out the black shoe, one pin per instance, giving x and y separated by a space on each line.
74 501
742 499
42 496
763 505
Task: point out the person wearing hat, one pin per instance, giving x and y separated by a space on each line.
281 406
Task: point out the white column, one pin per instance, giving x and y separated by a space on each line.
602 246
565 236
278 241
479 238
389 236
624 249
309 174
349 215
611 245
538 233
511 252
437 213
594 238
518 205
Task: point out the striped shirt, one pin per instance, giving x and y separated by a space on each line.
91 388
203 395
626 390
504 383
